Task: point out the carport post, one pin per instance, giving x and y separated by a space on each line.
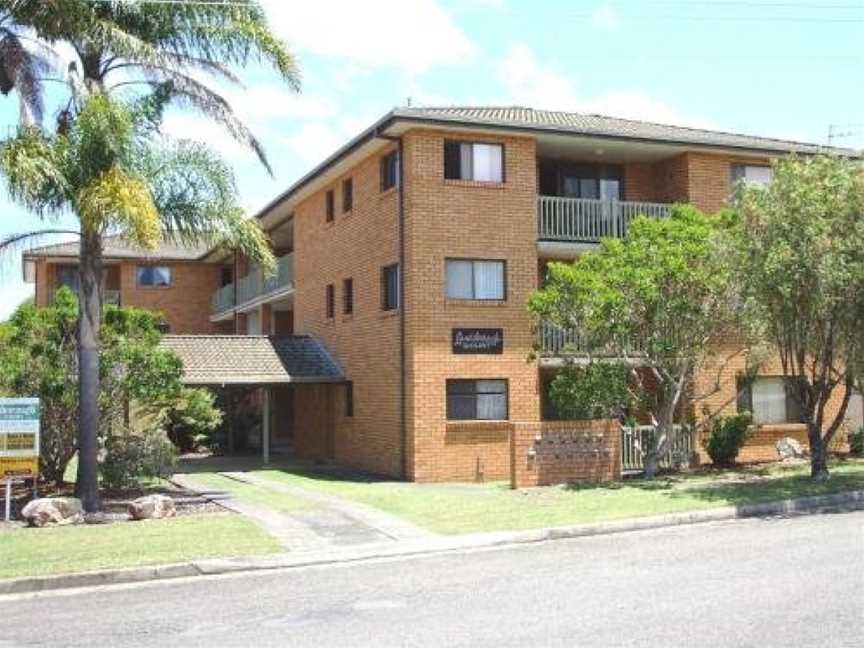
265 424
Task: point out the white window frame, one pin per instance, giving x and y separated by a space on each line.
480 161
476 292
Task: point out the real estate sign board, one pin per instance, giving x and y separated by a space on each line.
19 438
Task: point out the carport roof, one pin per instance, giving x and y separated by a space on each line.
253 359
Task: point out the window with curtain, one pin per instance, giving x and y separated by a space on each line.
475 279
480 400
770 399
347 195
752 174
154 276
475 161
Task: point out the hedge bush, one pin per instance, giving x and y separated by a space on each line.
727 436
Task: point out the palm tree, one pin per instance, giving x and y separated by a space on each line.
124 44
161 49
116 174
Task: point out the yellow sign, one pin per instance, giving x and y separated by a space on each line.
19 438
19 467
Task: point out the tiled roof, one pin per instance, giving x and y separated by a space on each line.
600 125
252 359
115 247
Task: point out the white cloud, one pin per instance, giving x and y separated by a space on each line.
410 35
529 83
605 18
314 141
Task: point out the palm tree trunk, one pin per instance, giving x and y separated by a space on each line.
89 320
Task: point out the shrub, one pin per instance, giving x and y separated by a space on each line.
856 443
726 438
130 459
191 419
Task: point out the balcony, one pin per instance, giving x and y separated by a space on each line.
586 220
108 296
253 289
557 344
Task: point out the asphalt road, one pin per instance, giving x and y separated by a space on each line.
766 582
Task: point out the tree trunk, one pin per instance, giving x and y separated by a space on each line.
818 454
652 463
89 320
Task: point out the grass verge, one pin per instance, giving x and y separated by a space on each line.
42 552
463 508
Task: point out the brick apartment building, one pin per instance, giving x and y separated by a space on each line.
404 264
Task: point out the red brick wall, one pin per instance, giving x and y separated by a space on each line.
564 451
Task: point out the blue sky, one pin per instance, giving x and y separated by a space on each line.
768 67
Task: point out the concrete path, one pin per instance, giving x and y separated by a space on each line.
389 525
333 523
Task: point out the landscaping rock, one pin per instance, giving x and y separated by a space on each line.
53 511
95 518
788 448
152 507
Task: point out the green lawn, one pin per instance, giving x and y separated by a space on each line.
253 494
40 552
462 508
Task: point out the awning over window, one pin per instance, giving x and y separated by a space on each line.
253 359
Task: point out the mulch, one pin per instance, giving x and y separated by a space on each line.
115 502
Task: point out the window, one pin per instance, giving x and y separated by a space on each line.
475 279
226 276
751 174
347 195
331 301
347 296
67 275
770 399
154 276
390 287
163 327
330 206
349 399
473 161
389 171
483 400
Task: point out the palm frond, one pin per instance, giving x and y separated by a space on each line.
33 168
20 70
189 92
122 201
12 245
195 194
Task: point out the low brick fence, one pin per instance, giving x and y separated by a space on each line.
556 452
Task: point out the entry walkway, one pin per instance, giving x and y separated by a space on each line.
329 522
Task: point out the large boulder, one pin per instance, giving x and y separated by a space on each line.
53 511
152 507
788 448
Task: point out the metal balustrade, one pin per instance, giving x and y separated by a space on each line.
254 286
587 220
637 440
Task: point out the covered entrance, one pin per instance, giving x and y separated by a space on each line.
277 392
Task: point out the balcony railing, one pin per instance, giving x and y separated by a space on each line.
585 220
254 286
108 296
558 342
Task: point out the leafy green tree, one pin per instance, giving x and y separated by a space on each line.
657 300
116 174
125 46
39 357
593 391
797 247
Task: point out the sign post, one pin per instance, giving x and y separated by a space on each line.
19 443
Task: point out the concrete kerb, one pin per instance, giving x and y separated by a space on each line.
424 546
